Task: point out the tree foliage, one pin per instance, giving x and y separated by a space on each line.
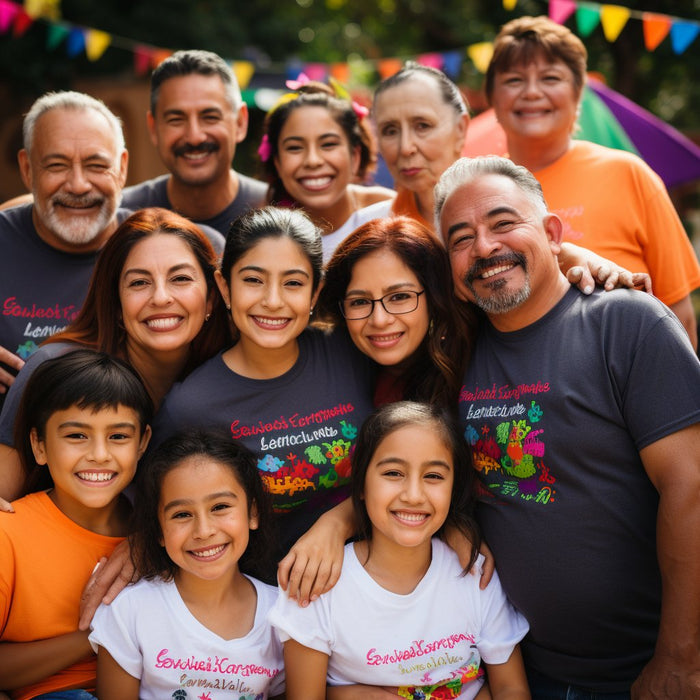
272 33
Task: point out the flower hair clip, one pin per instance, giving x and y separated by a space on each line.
265 149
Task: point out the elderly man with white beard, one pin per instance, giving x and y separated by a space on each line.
74 161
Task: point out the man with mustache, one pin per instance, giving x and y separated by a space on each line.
583 415
74 161
196 118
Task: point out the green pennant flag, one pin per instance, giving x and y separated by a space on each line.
587 18
55 35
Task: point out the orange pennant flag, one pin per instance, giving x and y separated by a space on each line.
656 28
341 72
613 18
388 66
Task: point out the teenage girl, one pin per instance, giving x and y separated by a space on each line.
292 394
316 147
195 625
81 427
423 628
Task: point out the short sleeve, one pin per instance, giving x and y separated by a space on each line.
502 626
114 628
310 626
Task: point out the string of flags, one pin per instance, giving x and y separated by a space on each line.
16 19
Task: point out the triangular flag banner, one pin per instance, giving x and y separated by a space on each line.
452 63
386 67
561 10
55 34
509 4
432 60
655 27
340 72
480 55
158 56
96 43
587 18
613 18
8 12
243 70
142 60
22 22
316 71
75 44
49 9
683 34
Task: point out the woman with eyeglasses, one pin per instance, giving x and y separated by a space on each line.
389 283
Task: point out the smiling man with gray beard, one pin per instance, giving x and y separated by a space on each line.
583 416
74 161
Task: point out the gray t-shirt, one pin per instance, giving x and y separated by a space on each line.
556 414
302 424
41 288
154 193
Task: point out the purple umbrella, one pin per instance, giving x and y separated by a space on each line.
673 156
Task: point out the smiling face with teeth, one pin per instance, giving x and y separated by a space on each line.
91 456
388 339
408 488
195 129
271 292
164 297
502 247
205 520
316 163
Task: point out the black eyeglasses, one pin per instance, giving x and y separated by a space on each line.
355 308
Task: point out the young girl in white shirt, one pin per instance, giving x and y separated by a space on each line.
404 620
195 626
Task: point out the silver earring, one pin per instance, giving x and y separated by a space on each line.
228 307
207 317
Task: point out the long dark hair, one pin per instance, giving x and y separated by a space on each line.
149 557
315 94
98 323
434 372
391 417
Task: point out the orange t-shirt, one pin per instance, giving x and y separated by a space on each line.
45 561
405 205
612 202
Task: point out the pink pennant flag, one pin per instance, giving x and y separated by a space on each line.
142 60
432 60
561 10
316 71
8 12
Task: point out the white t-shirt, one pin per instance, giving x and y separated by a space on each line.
436 635
152 635
331 241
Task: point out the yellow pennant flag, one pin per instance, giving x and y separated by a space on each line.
96 43
480 55
49 9
243 70
510 4
613 18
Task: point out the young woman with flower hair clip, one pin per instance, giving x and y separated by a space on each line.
316 148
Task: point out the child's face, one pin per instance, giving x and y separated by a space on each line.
204 517
91 456
408 486
315 161
270 293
